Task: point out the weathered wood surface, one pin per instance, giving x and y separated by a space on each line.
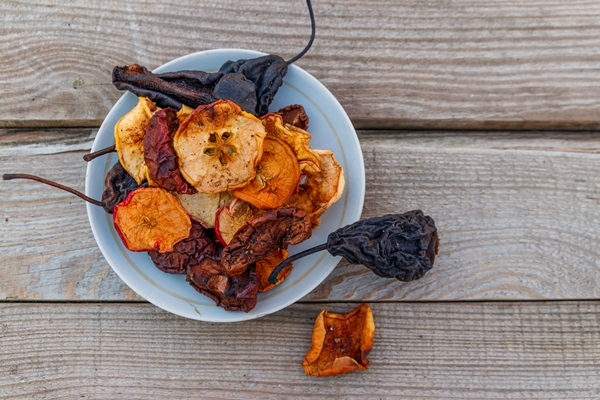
462 64
519 216
421 350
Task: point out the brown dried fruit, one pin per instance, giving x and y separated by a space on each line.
321 189
263 236
265 266
151 219
277 177
187 252
129 138
294 115
232 293
218 146
159 156
340 342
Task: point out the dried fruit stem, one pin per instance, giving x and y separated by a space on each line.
8 177
284 263
101 152
312 35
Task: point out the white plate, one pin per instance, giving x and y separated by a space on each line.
331 129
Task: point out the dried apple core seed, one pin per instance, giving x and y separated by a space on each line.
217 146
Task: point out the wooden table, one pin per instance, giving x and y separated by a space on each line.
483 114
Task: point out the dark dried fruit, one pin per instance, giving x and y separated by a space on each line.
232 293
117 186
294 115
187 252
159 155
263 236
401 246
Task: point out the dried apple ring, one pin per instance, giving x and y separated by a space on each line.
218 146
129 138
277 177
151 219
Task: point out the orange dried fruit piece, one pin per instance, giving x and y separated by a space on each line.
321 189
204 206
218 146
129 138
277 177
151 219
265 266
229 219
298 140
340 342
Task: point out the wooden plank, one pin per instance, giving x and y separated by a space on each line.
425 351
518 217
460 64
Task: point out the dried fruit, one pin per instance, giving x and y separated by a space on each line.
401 246
218 147
129 138
263 236
277 177
294 115
159 156
320 189
204 206
117 186
265 266
151 219
296 138
187 252
340 342
231 218
232 293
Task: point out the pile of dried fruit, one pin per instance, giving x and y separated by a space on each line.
218 194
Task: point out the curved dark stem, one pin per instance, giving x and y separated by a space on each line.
273 277
312 35
8 177
101 152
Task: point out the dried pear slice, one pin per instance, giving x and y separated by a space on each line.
298 139
151 219
203 206
218 146
321 189
129 138
277 177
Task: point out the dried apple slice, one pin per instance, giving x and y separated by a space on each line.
204 206
129 138
230 219
298 139
277 177
321 189
340 342
265 266
151 219
218 146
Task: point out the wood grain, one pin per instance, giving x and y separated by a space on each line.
518 215
413 64
425 351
